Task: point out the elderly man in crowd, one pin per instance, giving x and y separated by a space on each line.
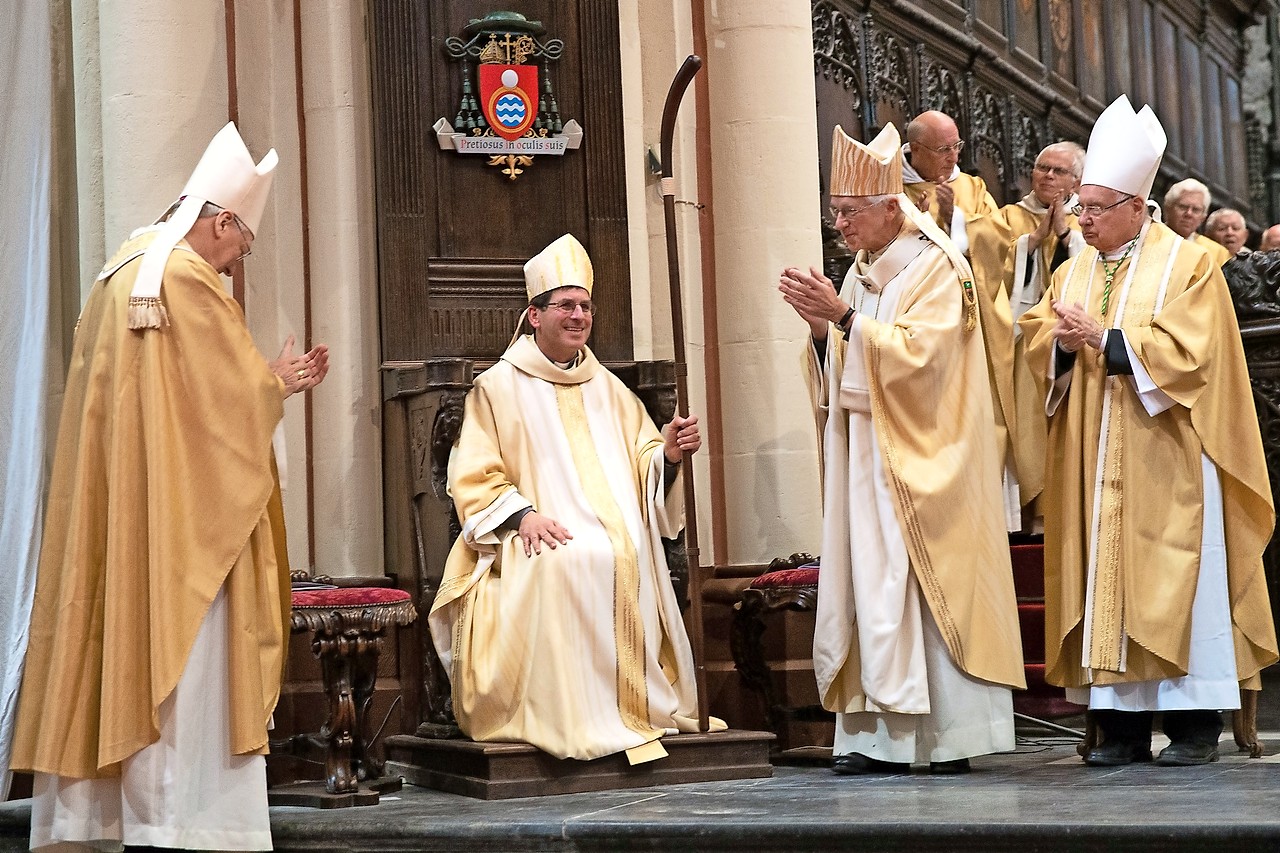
556 617
1186 205
1013 252
1227 226
917 642
932 178
1157 503
1270 239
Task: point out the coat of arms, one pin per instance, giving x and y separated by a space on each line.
516 116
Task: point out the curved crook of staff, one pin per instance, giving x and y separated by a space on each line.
674 95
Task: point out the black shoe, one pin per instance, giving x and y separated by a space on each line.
1187 753
857 764
956 767
1116 753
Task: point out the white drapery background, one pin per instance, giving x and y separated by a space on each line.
30 371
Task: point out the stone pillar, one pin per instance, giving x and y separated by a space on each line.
766 194
346 425
151 93
663 28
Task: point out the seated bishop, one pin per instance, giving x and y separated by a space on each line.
556 618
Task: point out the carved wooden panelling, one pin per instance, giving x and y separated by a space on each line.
453 231
1018 74
1254 281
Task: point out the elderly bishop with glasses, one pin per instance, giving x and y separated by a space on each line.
556 618
159 627
916 645
933 181
1157 505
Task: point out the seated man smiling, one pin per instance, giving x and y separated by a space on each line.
556 618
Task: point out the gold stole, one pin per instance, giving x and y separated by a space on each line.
1141 297
628 627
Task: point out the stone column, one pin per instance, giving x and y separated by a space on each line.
346 425
766 195
656 38
151 93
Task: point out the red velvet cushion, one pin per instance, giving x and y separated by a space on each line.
803 576
358 596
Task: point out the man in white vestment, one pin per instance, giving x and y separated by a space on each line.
917 644
1157 505
158 628
556 618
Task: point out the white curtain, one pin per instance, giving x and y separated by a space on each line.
26 294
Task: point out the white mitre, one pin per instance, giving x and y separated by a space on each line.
562 264
226 176
873 169
1125 148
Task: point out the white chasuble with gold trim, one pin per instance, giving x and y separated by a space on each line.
914 554
580 650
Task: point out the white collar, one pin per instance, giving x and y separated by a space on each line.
911 176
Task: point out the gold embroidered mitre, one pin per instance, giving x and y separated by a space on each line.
562 264
874 169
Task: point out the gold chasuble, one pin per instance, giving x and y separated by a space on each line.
580 650
163 492
1001 263
1219 253
1123 499
971 196
910 466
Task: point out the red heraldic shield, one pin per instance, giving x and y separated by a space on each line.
509 98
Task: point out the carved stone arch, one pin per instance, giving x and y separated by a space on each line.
940 87
988 129
890 72
837 51
1027 138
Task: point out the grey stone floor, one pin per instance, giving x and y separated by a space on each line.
1040 798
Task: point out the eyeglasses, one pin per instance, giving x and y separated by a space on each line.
1193 209
1055 171
568 306
849 212
248 244
953 148
1096 209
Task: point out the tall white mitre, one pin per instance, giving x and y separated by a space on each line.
564 263
226 176
1125 148
874 169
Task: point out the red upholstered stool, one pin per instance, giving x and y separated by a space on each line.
347 627
791 583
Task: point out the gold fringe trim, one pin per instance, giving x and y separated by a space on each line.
147 312
970 305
